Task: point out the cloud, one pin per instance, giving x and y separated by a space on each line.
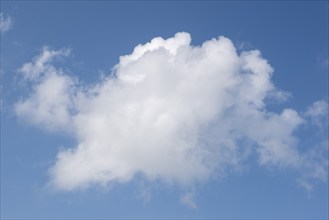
5 23
315 166
51 101
188 200
41 64
169 111
318 113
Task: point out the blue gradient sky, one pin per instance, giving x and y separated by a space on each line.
292 36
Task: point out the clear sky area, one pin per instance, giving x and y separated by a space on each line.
164 109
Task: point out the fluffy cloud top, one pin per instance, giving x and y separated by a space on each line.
5 23
169 111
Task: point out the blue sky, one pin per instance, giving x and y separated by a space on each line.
174 129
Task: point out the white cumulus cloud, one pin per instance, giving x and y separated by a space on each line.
170 111
5 23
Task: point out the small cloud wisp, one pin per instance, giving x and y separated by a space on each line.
5 23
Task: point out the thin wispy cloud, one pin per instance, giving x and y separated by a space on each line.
318 113
189 200
169 111
5 23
